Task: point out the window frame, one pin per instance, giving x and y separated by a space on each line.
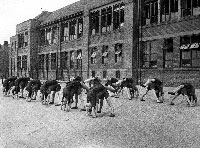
64 60
117 74
93 50
79 59
190 51
118 52
149 56
72 59
167 51
53 61
104 57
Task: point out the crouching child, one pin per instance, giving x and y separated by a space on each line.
156 85
188 92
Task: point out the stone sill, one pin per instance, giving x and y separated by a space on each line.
172 69
182 19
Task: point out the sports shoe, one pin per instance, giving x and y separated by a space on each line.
171 93
112 115
142 85
75 107
159 101
83 109
57 104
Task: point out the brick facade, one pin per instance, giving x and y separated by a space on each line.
155 34
175 27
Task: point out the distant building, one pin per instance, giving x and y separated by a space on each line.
4 60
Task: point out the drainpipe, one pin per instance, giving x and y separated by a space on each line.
135 41
88 44
58 48
140 38
17 54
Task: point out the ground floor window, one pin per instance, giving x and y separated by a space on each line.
104 74
118 74
190 51
149 55
168 53
53 61
190 58
93 73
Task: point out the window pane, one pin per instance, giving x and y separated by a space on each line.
147 11
169 56
104 74
196 58
116 16
168 64
194 3
153 64
195 39
146 57
186 55
122 13
154 57
145 64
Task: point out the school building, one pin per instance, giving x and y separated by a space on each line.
111 38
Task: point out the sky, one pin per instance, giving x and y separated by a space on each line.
13 12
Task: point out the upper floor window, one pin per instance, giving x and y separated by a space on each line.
80 27
26 39
94 25
12 46
42 37
48 35
53 40
190 51
73 29
118 15
149 55
196 3
151 12
167 8
106 19
113 13
93 55
186 6
118 52
21 40
65 31
190 7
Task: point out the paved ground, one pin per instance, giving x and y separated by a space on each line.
137 124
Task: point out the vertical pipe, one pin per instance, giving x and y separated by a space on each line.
88 44
140 42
